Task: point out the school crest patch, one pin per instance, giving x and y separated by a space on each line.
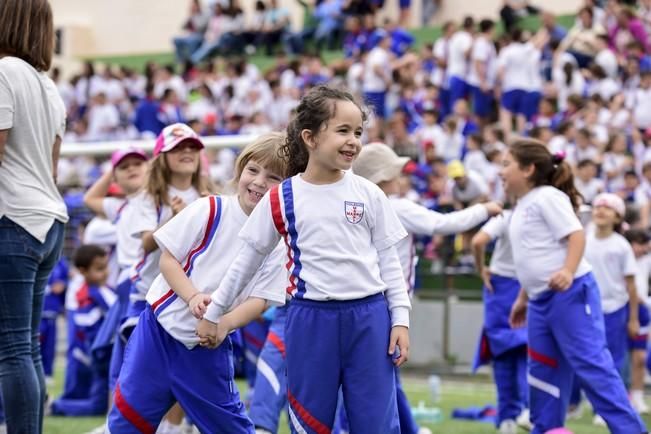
354 212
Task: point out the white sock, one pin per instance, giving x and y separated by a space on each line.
637 395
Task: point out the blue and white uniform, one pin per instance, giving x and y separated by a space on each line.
53 306
516 69
565 328
92 304
499 343
147 217
344 271
483 51
457 70
163 363
643 267
613 260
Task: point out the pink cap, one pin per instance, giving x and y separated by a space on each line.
121 154
611 201
174 134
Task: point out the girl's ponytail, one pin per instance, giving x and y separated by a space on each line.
548 169
563 179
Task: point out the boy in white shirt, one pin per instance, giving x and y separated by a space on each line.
458 54
483 70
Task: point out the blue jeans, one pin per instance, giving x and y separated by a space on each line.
25 265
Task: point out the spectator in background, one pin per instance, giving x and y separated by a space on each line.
252 28
219 24
329 16
377 74
581 41
103 119
401 39
483 71
276 24
439 77
166 78
194 27
627 28
513 10
457 61
32 123
170 111
146 118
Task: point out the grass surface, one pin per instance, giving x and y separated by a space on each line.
455 393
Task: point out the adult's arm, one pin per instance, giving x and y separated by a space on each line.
3 141
56 151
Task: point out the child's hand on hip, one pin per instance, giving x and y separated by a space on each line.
399 338
561 280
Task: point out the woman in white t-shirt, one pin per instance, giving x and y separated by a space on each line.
559 299
32 212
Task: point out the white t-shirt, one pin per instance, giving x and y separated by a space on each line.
441 51
458 48
497 228
102 122
373 82
608 62
643 267
483 51
540 224
640 103
476 186
120 213
535 83
512 60
589 190
203 238
419 220
147 217
102 232
612 260
32 109
334 232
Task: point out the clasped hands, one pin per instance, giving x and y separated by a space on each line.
210 334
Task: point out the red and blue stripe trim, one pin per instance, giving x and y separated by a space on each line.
211 227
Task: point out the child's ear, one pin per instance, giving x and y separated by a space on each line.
308 138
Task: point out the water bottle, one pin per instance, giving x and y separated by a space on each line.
427 415
434 382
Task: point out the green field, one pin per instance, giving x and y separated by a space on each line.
455 393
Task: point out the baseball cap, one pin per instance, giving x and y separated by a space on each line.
456 169
174 134
611 201
121 154
377 162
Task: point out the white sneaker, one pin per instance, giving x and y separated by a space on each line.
508 427
262 431
640 406
3 428
99 430
524 420
424 430
576 413
167 428
598 421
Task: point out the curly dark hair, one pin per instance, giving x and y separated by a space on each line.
313 112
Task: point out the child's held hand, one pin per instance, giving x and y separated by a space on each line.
198 304
177 205
486 277
493 208
561 280
399 338
208 333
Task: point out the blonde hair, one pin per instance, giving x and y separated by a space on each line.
27 31
159 177
265 150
